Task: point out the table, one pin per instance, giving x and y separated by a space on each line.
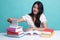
56 36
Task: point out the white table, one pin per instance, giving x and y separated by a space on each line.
56 36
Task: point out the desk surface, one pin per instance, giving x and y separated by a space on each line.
56 36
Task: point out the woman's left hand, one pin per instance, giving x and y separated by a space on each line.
39 29
34 28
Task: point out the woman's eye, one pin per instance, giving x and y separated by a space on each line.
34 7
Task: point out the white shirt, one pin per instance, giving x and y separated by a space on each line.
29 20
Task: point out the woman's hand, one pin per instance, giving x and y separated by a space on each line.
39 29
18 20
28 29
9 20
34 28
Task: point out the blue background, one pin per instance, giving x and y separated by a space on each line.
18 8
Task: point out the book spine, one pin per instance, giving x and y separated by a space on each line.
48 30
14 29
12 33
11 29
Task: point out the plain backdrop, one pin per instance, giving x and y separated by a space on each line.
18 8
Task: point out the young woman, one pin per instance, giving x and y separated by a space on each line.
36 19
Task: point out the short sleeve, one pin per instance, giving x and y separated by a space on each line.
42 18
24 17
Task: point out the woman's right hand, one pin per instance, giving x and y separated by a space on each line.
9 20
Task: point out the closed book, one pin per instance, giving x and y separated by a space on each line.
48 30
18 36
14 29
47 33
14 33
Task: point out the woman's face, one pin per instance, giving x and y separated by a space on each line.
35 9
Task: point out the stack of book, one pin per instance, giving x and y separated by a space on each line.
14 31
47 33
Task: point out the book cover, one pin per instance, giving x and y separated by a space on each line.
14 29
14 33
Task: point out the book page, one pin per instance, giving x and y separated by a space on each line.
33 32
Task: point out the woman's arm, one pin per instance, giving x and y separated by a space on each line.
35 28
28 29
44 24
19 20
39 29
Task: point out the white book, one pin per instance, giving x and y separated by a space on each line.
33 32
20 35
37 32
46 32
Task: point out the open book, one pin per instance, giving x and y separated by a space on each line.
44 33
31 32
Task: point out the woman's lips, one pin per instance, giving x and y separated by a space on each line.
34 11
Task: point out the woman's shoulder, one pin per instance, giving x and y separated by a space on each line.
27 15
43 18
42 15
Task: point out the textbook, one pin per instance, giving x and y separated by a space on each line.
47 33
31 32
14 29
44 33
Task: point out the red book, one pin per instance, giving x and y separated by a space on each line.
47 33
48 30
14 33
